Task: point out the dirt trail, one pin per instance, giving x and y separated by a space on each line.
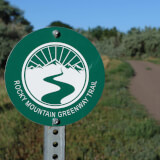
145 86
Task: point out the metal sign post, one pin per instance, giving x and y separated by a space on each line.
54 143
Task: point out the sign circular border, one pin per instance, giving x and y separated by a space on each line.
38 113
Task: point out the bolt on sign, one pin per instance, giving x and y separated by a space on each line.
54 76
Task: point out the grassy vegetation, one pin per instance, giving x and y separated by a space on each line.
20 139
117 129
153 60
148 68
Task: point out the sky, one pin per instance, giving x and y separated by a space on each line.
123 14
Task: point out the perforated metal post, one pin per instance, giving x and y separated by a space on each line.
54 143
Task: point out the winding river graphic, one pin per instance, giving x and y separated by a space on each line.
56 97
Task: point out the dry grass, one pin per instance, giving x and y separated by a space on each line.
4 99
106 61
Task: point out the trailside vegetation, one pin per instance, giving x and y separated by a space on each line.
13 26
136 43
118 128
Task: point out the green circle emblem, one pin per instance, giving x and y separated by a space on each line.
50 77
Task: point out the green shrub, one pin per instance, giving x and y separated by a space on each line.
13 26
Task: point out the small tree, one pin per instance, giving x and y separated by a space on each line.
13 26
60 24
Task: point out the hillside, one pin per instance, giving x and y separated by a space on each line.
117 129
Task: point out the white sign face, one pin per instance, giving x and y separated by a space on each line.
55 75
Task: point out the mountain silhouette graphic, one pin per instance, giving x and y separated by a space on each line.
56 97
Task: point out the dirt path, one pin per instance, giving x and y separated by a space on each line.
145 86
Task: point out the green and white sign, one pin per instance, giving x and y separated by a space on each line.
54 77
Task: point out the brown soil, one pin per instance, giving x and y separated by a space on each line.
145 86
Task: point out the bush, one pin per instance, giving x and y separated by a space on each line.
137 42
13 26
111 47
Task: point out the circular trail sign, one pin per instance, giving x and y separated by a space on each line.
52 77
